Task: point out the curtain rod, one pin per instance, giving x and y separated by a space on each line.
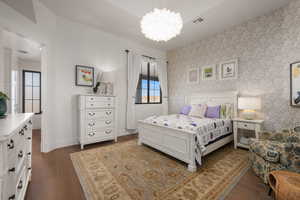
127 51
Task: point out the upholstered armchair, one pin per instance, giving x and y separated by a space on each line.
275 151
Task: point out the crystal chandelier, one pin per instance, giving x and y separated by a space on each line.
161 25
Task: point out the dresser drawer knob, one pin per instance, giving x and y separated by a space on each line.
12 169
108 112
11 144
30 122
108 131
29 138
20 185
20 155
21 132
245 125
92 99
25 127
91 124
12 197
108 104
91 113
91 134
29 153
92 104
108 122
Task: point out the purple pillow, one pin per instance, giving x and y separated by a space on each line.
213 112
185 110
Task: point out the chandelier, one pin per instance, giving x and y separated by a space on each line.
161 25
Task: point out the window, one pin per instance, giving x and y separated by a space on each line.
32 92
148 89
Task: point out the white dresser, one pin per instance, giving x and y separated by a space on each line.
96 119
15 155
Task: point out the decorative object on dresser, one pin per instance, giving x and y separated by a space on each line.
15 155
84 76
208 73
249 105
3 104
193 76
295 84
96 119
98 81
228 70
253 126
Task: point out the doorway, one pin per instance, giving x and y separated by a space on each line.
23 76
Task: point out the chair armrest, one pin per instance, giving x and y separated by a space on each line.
280 137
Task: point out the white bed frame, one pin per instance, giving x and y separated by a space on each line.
181 144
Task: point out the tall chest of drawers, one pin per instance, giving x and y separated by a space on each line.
96 119
15 155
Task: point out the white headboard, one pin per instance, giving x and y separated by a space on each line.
215 98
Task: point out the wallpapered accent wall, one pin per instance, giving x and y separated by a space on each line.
264 46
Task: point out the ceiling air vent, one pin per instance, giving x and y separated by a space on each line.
23 52
198 20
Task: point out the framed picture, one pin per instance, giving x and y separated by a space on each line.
229 70
84 76
295 84
193 76
208 73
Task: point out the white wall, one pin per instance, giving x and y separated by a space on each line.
26 64
90 47
67 44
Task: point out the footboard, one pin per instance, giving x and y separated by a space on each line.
179 144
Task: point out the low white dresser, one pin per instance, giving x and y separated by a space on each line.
96 119
15 155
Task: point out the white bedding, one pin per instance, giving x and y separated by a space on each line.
206 130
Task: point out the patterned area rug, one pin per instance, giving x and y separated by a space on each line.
126 171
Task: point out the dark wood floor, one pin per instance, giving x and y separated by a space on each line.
54 177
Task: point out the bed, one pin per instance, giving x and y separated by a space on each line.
166 133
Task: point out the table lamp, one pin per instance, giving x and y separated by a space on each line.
249 105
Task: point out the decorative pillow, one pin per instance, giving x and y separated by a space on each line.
213 112
226 111
185 110
198 110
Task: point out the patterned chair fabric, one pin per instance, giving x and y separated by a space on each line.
275 151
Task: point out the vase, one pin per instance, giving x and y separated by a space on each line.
3 107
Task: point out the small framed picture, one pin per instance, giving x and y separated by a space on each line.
84 76
208 73
295 84
193 76
228 70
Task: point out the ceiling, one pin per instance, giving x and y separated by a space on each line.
25 7
122 17
23 47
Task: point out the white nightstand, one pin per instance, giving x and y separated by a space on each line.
253 125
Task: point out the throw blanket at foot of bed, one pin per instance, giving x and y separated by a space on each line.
206 130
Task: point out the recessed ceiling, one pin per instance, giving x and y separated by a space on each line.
122 17
23 47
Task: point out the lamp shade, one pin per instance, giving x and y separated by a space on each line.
249 103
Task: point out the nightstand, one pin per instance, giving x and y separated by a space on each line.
254 126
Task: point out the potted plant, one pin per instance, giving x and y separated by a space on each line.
3 104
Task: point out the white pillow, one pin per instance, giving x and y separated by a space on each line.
198 110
